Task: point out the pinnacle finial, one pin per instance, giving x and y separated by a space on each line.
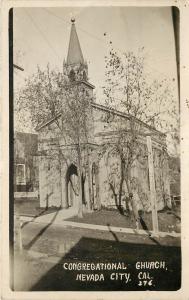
72 20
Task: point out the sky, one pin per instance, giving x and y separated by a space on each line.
41 36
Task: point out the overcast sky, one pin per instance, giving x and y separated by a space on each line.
41 36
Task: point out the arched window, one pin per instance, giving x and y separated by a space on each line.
72 75
84 76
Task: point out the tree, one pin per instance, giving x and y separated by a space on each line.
49 95
147 104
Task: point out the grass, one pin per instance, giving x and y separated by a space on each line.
168 220
30 207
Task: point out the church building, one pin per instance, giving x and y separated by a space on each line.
58 180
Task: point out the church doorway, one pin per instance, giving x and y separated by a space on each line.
72 187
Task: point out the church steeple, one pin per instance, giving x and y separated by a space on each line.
75 67
75 55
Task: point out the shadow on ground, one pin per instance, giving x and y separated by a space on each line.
35 274
90 250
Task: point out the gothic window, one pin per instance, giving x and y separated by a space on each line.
72 75
84 76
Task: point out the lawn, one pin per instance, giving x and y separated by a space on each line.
30 207
168 220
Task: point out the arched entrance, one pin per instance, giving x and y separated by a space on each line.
72 187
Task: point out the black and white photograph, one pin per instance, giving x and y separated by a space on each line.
94 173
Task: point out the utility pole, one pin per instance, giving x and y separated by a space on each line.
152 186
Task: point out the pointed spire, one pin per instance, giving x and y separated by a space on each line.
75 55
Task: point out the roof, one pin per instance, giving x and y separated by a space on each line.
75 55
124 115
107 109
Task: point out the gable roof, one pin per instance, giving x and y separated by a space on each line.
106 109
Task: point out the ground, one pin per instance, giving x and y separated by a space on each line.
169 220
46 247
30 207
47 244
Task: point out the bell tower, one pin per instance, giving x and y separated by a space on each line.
75 67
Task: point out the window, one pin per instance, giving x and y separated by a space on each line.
84 76
72 75
20 174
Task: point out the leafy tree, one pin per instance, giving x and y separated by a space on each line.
147 104
49 95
